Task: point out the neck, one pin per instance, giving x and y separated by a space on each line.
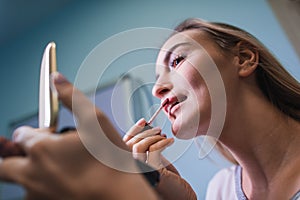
264 141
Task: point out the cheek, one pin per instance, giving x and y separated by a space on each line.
198 106
191 76
204 107
198 88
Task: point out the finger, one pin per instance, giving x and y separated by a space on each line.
135 129
72 98
23 134
140 150
143 135
12 168
22 129
63 88
161 145
89 119
144 145
27 136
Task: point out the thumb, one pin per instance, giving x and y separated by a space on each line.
72 98
135 129
63 88
89 119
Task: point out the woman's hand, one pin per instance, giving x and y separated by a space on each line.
147 145
61 167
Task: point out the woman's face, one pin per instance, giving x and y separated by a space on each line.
188 72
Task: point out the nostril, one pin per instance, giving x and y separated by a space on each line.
159 90
159 93
163 91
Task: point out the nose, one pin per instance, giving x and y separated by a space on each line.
161 88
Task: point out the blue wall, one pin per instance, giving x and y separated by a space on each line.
80 26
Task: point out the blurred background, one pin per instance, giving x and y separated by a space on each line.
78 26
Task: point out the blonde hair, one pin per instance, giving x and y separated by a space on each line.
279 87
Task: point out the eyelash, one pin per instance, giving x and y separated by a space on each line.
176 61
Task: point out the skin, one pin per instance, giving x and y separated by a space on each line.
171 185
60 167
263 140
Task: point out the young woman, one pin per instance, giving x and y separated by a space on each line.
262 124
260 129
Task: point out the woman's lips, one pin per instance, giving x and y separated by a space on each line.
169 105
173 105
173 108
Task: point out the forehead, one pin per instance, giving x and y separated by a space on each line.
191 38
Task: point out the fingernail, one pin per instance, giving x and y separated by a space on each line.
141 122
58 78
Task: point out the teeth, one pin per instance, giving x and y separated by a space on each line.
181 99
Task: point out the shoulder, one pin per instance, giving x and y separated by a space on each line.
222 185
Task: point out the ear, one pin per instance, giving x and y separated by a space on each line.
246 59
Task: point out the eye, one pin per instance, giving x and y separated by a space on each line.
176 61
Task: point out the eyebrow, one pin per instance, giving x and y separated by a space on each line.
167 57
169 52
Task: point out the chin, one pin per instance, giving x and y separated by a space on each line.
189 127
184 132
